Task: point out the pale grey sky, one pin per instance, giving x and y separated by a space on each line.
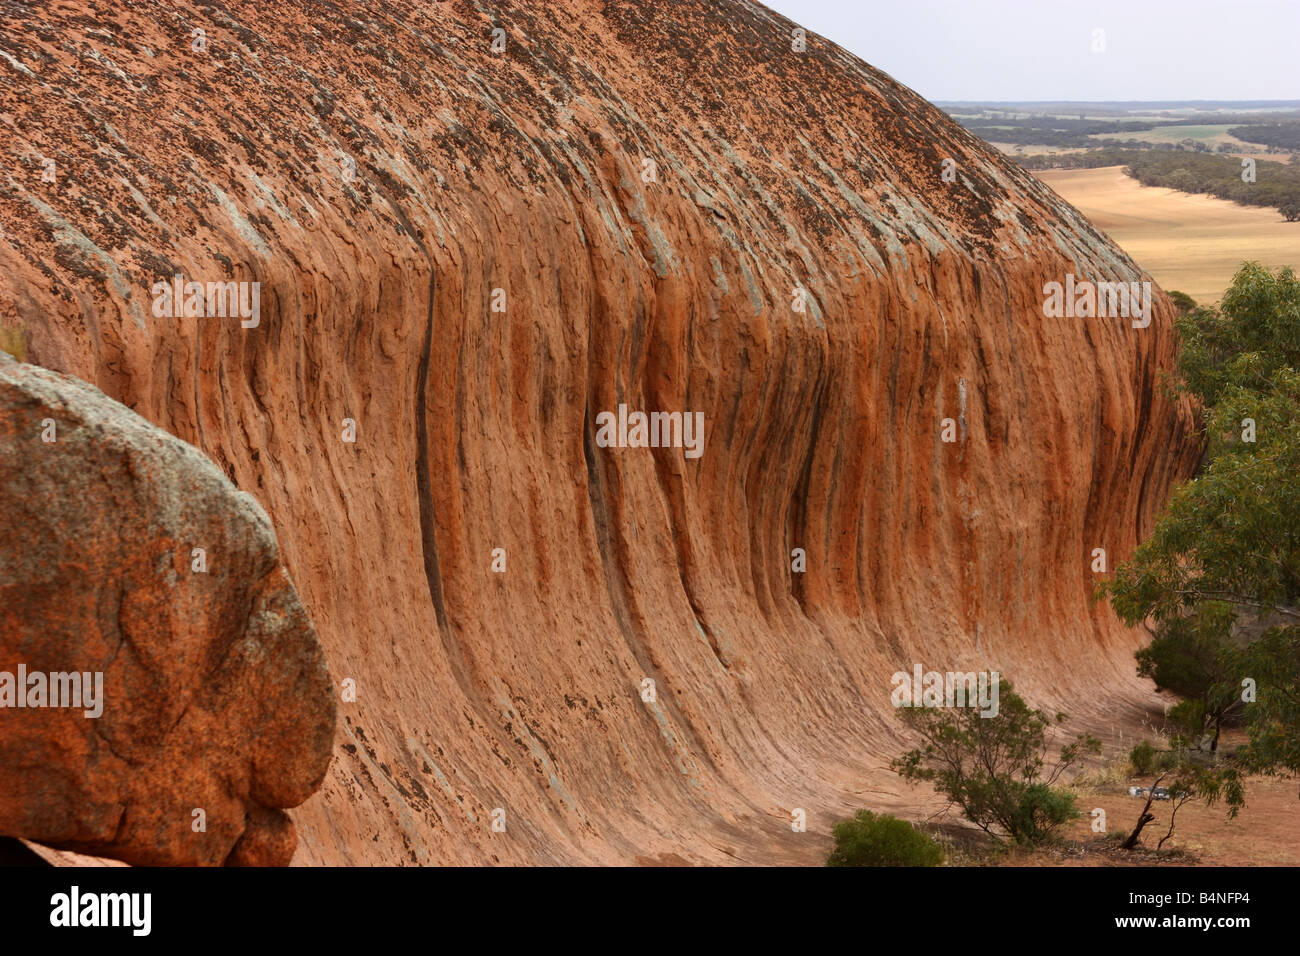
1042 49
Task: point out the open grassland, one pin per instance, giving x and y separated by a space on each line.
1191 243
1210 135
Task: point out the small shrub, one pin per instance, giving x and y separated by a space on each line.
1145 759
881 840
994 769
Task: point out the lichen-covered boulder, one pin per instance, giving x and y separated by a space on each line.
163 695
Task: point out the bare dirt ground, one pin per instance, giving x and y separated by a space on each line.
1265 833
1190 243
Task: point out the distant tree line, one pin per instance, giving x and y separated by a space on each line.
1041 130
1119 155
1050 131
1284 136
1276 185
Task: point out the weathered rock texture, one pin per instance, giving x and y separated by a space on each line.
124 552
526 171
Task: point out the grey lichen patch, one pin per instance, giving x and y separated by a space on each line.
15 64
72 239
719 277
86 417
242 226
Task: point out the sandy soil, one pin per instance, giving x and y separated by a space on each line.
1265 833
1191 243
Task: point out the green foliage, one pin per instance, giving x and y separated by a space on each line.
1228 543
1223 782
1187 656
994 768
1087 159
1230 538
1142 758
1273 662
1255 333
1183 302
1185 780
871 840
1192 656
1145 760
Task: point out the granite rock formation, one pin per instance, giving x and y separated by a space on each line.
164 695
475 227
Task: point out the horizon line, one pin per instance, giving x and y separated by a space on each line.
1295 102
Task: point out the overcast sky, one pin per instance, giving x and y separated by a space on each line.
1042 49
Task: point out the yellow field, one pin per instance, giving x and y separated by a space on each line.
1190 243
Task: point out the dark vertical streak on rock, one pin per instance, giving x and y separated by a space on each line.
604 538
798 525
423 478
424 485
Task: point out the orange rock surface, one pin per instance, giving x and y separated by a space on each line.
648 184
162 693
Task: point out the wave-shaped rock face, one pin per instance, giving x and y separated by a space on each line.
479 229
162 693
